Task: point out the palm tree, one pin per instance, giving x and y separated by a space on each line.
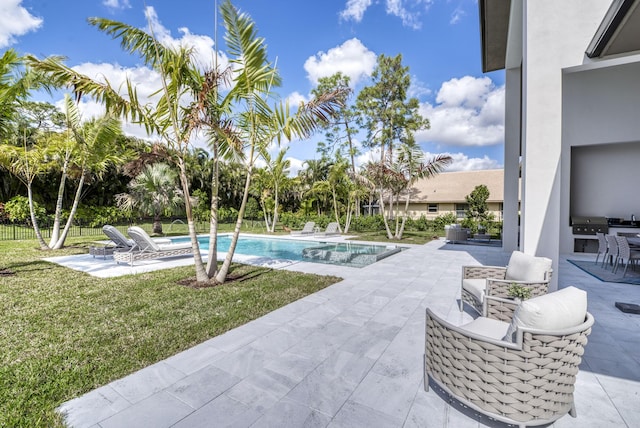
154 191
410 163
258 124
26 163
278 176
170 118
93 150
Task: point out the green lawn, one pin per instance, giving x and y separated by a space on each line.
63 333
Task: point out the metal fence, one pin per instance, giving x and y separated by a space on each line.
13 232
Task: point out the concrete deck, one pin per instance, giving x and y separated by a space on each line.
351 356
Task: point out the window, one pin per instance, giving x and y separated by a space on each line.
461 209
432 208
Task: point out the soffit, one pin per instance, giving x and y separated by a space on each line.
494 30
619 32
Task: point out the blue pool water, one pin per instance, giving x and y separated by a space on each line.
339 253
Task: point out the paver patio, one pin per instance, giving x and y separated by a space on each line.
351 356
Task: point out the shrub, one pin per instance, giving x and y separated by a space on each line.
442 220
17 209
372 223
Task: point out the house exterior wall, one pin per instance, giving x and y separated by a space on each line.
555 35
416 210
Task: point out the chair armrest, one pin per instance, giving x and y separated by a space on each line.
500 287
474 272
436 327
499 308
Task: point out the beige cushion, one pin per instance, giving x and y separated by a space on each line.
488 327
475 286
523 267
554 311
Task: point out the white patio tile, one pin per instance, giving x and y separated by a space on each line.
351 356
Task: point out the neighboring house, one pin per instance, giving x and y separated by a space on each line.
572 119
445 193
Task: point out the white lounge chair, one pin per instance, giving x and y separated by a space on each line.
308 229
146 248
118 242
332 229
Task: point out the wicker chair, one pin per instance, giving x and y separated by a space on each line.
625 255
525 378
523 269
454 233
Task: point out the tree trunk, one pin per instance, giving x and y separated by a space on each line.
384 217
335 208
157 224
275 210
201 273
55 232
76 200
212 257
226 265
34 220
404 217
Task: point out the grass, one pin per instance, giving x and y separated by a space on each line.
64 333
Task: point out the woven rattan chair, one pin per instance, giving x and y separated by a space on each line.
612 251
625 255
602 246
479 281
518 375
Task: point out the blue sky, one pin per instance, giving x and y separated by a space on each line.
438 39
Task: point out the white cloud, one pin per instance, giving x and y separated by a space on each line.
351 58
355 9
15 20
117 4
462 162
296 98
203 46
295 166
469 112
409 11
457 15
417 88
410 16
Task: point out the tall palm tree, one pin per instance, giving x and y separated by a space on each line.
154 191
258 123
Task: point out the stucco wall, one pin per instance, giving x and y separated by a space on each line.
555 35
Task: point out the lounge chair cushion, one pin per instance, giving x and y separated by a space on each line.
559 310
487 327
475 286
524 267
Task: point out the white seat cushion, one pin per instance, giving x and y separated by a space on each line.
475 286
554 311
488 327
523 267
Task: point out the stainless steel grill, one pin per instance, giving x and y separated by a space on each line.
589 225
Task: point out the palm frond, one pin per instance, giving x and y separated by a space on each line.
132 40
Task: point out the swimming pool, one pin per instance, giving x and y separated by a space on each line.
337 253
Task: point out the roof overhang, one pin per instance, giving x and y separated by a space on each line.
619 32
494 32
